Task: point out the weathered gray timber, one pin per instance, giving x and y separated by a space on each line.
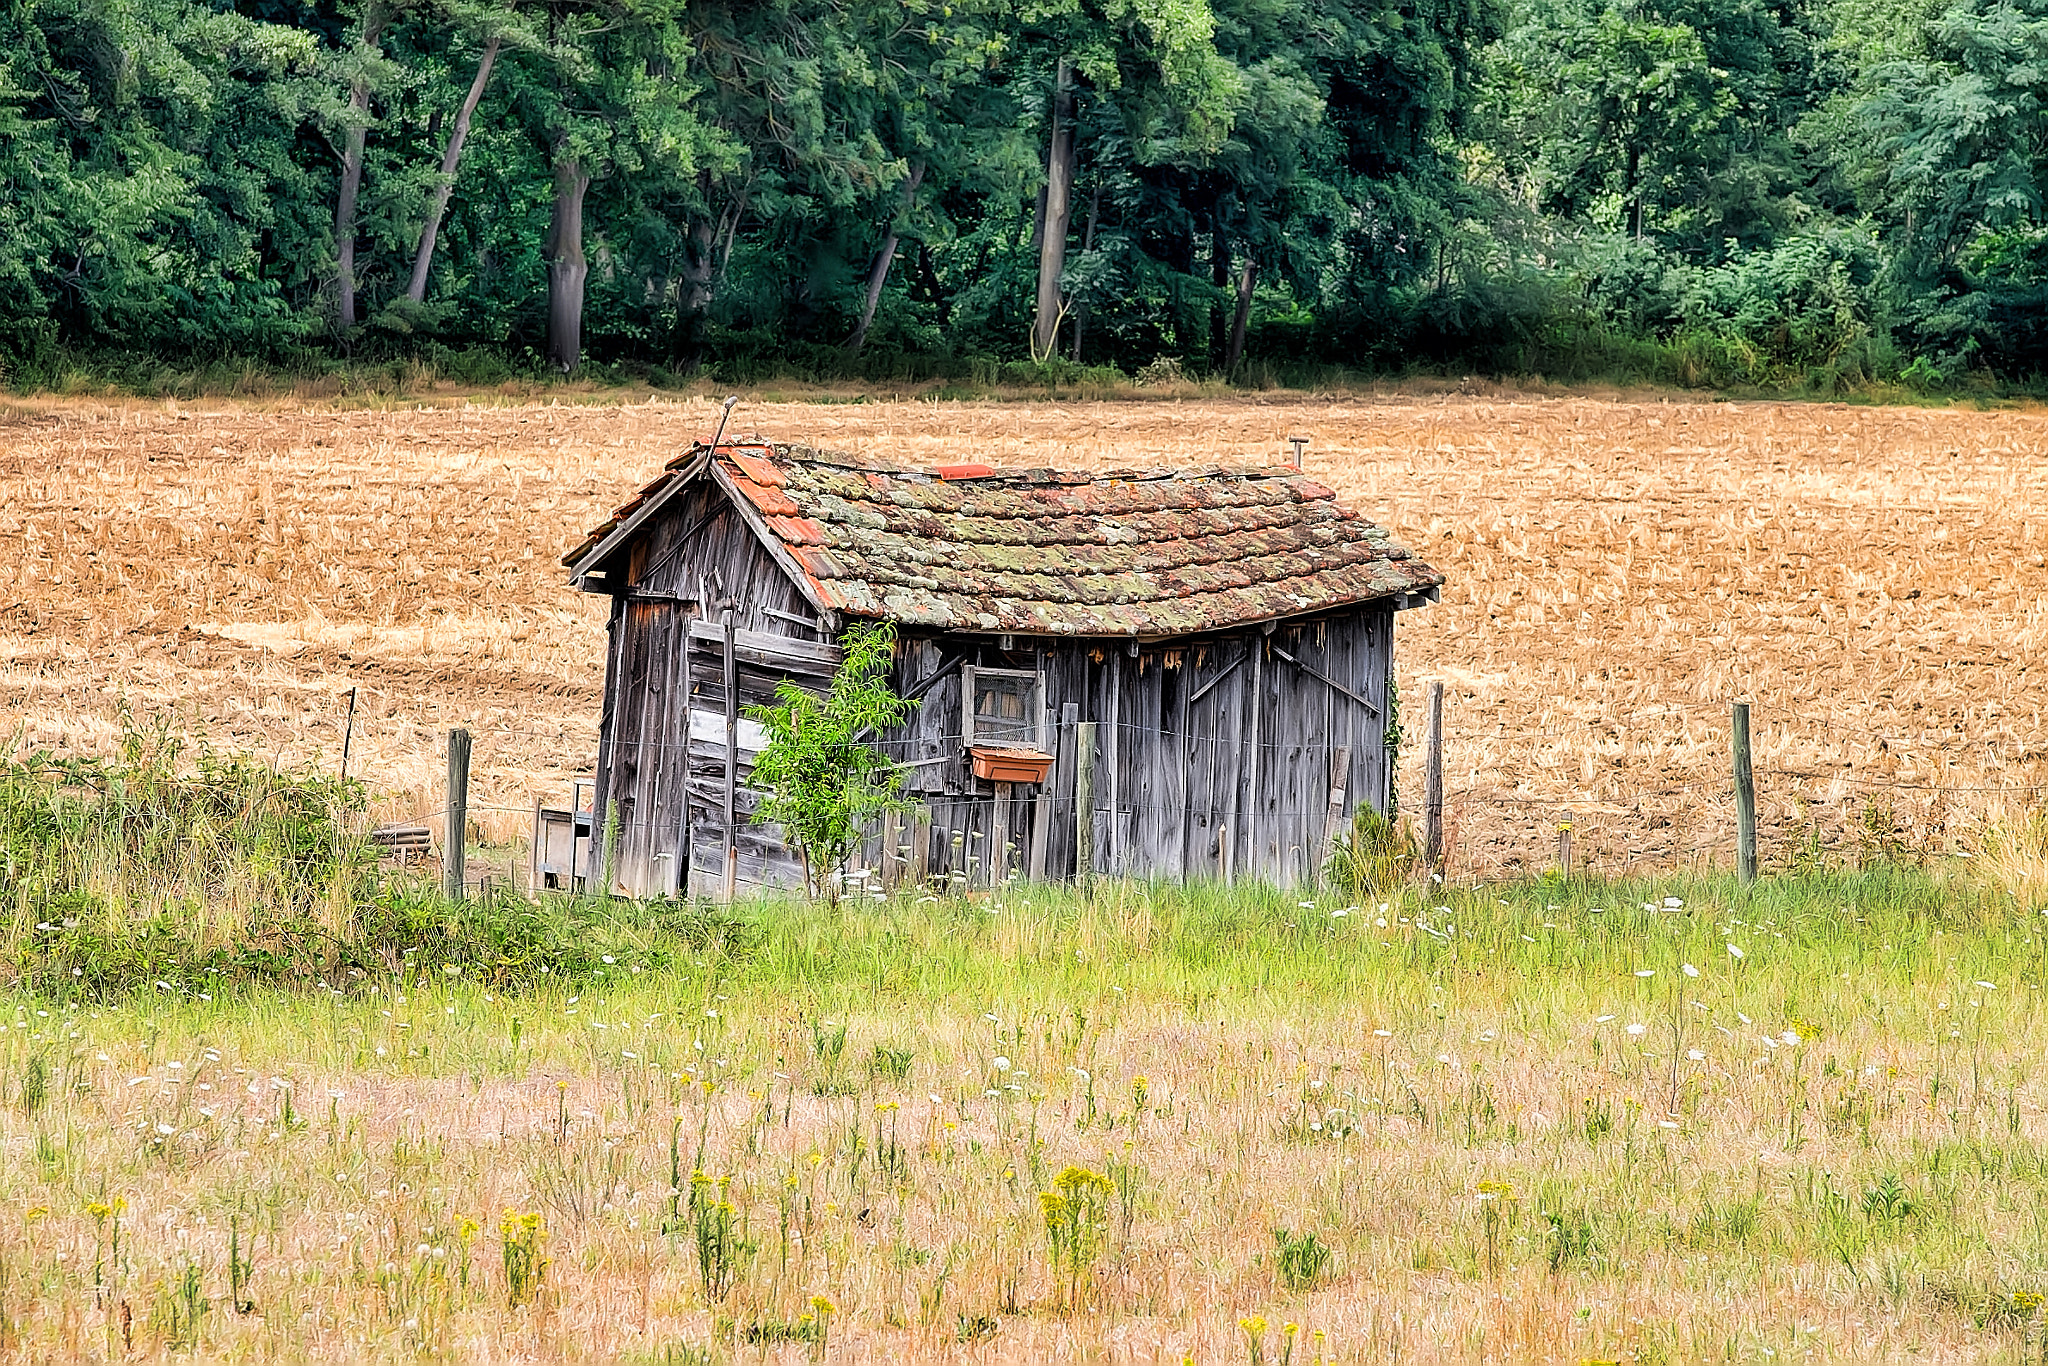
1229 635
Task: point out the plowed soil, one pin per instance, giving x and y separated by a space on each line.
1871 580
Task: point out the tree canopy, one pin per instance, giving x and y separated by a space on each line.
1756 189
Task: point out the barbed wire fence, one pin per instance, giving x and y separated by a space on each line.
1542 821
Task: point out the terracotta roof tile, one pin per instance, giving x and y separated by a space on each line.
797 530
767 497
1137 552
760 469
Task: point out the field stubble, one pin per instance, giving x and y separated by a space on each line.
1872 579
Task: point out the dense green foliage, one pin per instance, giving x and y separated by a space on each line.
820 776
1816 192
193 871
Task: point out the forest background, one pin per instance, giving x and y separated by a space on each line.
1818 195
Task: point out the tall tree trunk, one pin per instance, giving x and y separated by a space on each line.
700 269
1219 276
345 207
1247 276
1059 207
1634 192
566 266
701 264
878 273
423 257
1087 245
928 276
354 140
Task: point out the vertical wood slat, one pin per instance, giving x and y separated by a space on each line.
1252 853
1433 783
453 851
1059 784
1745 794
668 805
1113 855
1185 767
1084 803
920 867
1041 830
997 861
730 881
1333 817
1340 762
892 850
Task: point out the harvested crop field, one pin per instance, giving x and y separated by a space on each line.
1873 580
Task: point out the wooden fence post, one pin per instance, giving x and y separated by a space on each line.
729 877
920 868
1745 795
1041 830
348 736
997 863
1433 784
452 868
892 850
1333 818
1084 804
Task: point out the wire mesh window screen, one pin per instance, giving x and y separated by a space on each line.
1003 707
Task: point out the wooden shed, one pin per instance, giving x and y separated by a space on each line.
1229 631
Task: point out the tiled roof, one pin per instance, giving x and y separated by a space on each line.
1050 552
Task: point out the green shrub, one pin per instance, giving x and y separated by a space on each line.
1373 855
181 868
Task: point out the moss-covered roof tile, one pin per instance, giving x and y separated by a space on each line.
1050 552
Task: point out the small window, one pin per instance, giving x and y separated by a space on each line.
1002 707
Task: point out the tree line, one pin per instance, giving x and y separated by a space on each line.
1820 191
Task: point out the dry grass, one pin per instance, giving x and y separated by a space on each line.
1868 1192
1873 580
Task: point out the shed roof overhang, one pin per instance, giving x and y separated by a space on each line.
968 549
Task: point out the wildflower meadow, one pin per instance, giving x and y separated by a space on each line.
1551 1120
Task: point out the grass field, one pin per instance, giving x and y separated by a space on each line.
1643 1114
1562 1123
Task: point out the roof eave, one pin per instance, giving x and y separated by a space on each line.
585 565
829 614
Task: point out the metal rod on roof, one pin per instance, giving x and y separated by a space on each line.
731 401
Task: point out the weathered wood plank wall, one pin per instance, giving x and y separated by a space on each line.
1215 753
659 787
1214 757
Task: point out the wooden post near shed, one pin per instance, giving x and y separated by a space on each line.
998 860
458 815
1433 784
892 849
1041 830
729 877
1084 804
1333 819
1745 794
1061 743
920 868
